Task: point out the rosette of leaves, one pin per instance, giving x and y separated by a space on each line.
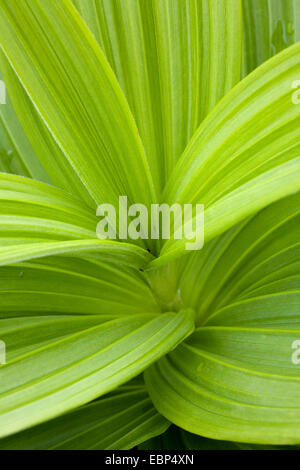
112 344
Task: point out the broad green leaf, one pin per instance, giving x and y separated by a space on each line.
269 27
255 265
177 439
55 285
194 442
39 220
168 56
40 211
119 421
258 117
231 383
73 307
108 251
58 168
235 377
245 155
55 364
16 153
237 205
86 113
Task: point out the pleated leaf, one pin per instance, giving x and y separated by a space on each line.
237 378
86 113
269 27
174 59
255 266
231 383
120 421
246 153
39 220
56 169
16 153
57 363
69 285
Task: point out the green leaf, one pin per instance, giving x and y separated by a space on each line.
39 220
86 113
119 421
269 27
255 266
16 153
55 364
297 20
177 439
245 155
237 370
169 440
231 383
72 285
58 170
166 55
194 442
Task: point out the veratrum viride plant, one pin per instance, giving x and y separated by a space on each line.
112 344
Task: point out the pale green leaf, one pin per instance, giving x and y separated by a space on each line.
16 153
86 113
258 258
39 220
58 168
231 383
55 285
57 363
169 59
245 155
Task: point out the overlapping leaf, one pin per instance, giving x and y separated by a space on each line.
246 153
68 285
56 169
269 27
16 153
235 378
57 363
86 113
255 263
119 421
39 220
73 324
169 59
231 383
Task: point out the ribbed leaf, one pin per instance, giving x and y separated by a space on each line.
194 442
73 286
120 421
56 165
269 27
57 363
166 55
237 370
16 153
86 113
231 383
246 153
259 258
39 220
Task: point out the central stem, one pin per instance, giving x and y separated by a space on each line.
163 282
